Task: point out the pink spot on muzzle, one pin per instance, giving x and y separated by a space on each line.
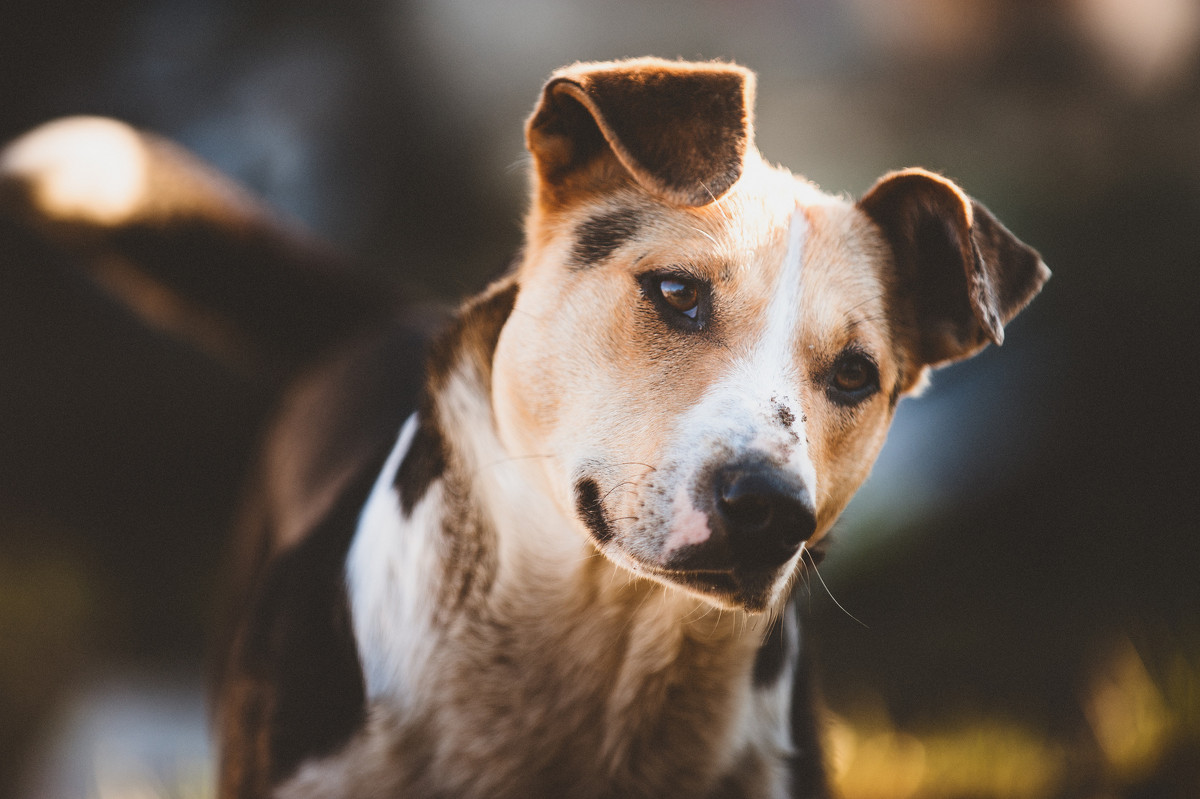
689 527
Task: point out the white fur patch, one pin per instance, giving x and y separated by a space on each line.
754 410
775 354
389 574
773 369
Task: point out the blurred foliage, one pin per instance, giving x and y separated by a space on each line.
1140 740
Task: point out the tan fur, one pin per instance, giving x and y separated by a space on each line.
580 372
575 438
588 730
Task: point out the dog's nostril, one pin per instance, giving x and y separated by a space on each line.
746 505
765 513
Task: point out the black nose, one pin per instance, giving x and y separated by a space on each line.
766 514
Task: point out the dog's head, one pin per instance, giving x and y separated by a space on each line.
706 351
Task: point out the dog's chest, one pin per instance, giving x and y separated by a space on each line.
555 715
582 683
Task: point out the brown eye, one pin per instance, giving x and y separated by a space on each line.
682 295
855 377
852 375
683 302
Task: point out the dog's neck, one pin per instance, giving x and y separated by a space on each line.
474 595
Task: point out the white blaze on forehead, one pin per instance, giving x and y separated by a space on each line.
775 353
774 368
765 378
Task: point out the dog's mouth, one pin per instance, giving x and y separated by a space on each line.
733 551
753 591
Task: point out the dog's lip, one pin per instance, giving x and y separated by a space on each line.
750 591
722 583
666 571
720 575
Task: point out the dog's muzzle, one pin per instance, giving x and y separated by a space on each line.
758 518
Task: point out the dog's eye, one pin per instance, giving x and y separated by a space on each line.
854 378
682 295
852 375
681 300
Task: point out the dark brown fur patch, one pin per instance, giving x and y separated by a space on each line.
471 340
807 765
772 656
296 687
598 237
962 275
680 130
591 511
699 159
424 462
292 683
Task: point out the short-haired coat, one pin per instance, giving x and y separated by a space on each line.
560 563
569 574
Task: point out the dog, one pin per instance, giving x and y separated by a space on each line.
561 564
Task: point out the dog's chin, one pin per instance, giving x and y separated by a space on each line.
753 593
735 589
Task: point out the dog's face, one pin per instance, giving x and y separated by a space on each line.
706 352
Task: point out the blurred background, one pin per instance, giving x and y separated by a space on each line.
1012 604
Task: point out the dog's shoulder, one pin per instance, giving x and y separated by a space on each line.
291 683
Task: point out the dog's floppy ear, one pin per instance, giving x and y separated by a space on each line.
961 274
679 129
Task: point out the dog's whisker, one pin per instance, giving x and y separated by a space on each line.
868 301
623 484
813 563
701 610
520 164
638 610
591 554
648 467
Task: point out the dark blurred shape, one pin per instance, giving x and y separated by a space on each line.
184 247
135 438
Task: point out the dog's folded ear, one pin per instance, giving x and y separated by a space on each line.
679 129
961 275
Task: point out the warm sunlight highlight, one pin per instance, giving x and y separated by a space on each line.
81 169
